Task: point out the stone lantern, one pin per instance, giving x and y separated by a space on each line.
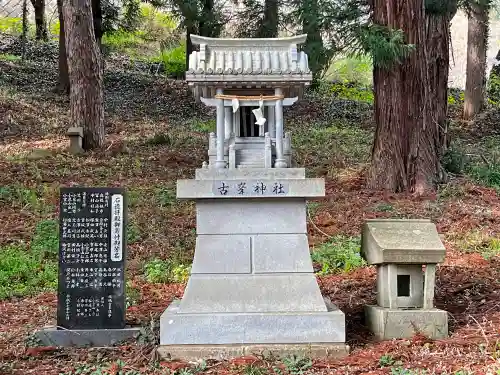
406 253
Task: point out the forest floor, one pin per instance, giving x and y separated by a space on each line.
156 134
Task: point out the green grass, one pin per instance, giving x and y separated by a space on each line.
27 270
479 161
297 365
11 25
339 254
9 57
166 271
174 60
351 69
477 241
22 273
204 126
331 147
155 28
123 41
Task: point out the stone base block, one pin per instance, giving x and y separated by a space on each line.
389 324
251 328
85 337
225 352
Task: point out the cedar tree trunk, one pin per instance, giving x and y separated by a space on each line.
314 46
63 85
269 27
207 19
477 40
494 81
97 19
438 56
41 25
85 73
405 153
189 45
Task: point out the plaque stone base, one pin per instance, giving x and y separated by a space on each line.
252 287
387 324
85 337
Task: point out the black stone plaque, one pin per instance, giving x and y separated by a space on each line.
92 253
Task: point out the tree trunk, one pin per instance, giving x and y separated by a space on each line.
63 84
189 45
494 82
40 23
207 19
477 41
438 56
405 153
85 73
97 19
269 27
314 43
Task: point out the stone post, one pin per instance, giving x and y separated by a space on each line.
270 121
220 162
429 283
228 123
280 160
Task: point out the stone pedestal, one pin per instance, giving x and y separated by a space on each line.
86 337
252 286
387 324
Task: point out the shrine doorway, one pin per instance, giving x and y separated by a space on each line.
248 127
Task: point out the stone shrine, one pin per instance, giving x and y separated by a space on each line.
252 287
405 292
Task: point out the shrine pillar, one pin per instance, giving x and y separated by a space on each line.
220 162
280 160
228 122
271 122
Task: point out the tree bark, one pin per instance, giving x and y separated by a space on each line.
189 45
85 73
97 19
477 41
405 153
314 46
63 84
438 56
269 27
41 32
494 81
207 18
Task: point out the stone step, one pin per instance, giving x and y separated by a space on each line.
252 163
250 151
250 166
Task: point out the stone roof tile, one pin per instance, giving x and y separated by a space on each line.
273 56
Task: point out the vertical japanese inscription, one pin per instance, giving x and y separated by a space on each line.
91 293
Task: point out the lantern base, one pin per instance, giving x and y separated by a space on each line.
389 324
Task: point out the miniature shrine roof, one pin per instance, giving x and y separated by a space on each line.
401 241
252 60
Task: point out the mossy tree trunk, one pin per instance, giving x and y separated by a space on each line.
477 44
85 72
405 155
